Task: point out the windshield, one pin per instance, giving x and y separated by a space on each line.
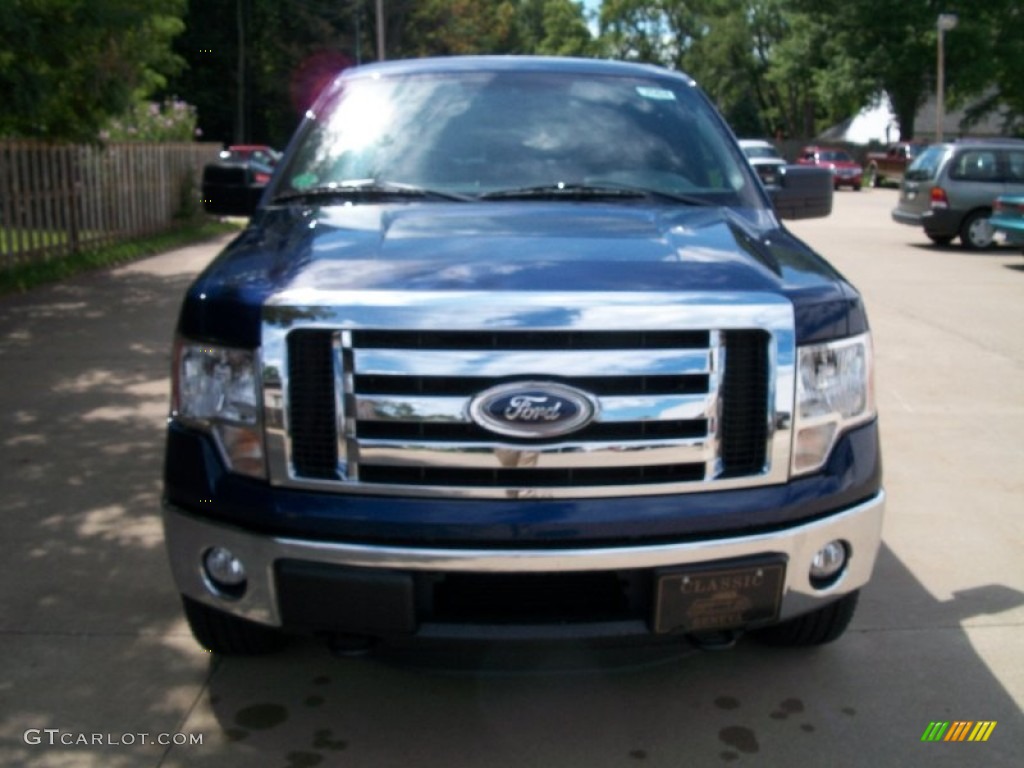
926 165
835 156
761 152
478 133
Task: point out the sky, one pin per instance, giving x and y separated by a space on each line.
591 7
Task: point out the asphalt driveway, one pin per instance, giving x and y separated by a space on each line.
99 668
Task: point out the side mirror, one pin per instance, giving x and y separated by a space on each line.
230 189
803 192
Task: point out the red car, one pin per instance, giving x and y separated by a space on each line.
845 170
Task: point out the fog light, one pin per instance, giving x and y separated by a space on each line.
828 563
224 572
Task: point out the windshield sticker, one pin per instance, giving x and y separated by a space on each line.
658 94
304 181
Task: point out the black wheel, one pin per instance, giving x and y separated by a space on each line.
816 628
976 233
940 239
229 635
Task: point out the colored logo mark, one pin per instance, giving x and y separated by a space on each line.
959 730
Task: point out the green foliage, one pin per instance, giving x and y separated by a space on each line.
459 27
292 50
553 28
67 66
985 53
289 52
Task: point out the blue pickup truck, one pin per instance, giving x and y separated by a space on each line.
517 349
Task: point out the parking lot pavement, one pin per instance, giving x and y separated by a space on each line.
99 668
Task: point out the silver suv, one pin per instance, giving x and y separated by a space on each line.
950 187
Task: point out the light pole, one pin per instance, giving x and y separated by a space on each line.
380 31
946 22
240 105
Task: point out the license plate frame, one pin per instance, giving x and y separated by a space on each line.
717 597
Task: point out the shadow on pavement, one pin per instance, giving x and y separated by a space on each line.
90 630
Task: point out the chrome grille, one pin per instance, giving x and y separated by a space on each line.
386 410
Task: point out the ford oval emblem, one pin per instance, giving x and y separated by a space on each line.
532 409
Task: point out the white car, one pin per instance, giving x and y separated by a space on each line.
765 159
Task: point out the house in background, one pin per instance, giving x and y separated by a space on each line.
877 124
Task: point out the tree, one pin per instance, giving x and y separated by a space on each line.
289 52
984 54
562 31
755 59
68 66
460 27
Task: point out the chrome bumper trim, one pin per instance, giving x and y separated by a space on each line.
188 537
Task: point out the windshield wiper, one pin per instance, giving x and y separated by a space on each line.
562 191
366 189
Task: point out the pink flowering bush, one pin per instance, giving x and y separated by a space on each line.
170 120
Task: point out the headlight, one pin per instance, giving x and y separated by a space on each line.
215 389
834 391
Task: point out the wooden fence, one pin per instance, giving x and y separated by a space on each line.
57 200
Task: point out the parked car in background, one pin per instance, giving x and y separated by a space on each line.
846 172
948 190
234 183
891 164
1008 218
765 159
261 157
247 152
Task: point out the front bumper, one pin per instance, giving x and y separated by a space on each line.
379 574
838 180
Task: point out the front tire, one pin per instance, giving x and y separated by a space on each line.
815 628
976 233
228 635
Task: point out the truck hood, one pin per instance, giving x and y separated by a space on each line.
512 246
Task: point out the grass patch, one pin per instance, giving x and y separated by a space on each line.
39 238
24 277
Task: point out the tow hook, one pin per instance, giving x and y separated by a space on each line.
350 646
715 641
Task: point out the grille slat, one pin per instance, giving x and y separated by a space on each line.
518 479
470 385
469 432
543 341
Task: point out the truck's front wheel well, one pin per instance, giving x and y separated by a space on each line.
815 628
228 635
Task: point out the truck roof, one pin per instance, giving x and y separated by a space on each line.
516 63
